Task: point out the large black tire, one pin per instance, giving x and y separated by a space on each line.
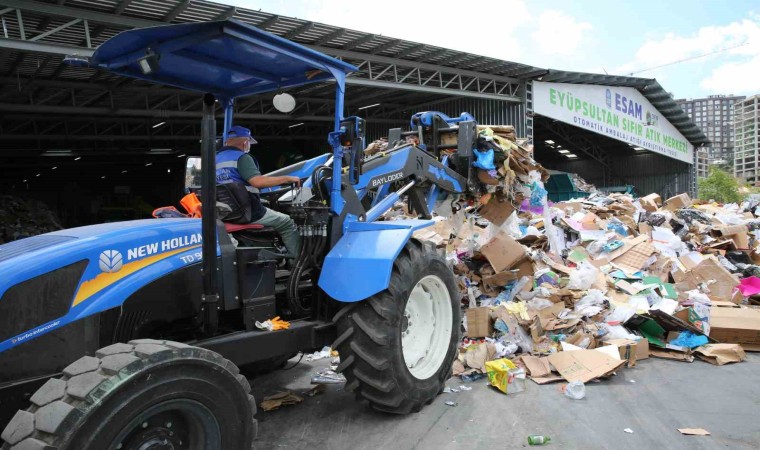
146 391
370 337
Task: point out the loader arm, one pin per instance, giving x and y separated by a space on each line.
360 263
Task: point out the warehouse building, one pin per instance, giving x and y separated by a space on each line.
98 147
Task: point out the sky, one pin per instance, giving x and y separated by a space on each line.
704 47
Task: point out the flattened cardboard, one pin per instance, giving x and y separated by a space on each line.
476 356
720 354
720 281
584 365
497 211
634 259
667 354
503 252
536 367
479 322
628 244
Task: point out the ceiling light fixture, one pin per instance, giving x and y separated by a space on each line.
564 151
549 141
158 124
369 106
296 125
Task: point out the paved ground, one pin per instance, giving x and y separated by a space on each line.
666 395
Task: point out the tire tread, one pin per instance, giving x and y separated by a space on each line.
87 382
365 336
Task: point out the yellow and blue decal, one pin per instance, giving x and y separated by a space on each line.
122 258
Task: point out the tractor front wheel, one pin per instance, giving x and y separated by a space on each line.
397 347
145 394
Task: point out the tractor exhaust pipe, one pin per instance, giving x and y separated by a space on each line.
210 299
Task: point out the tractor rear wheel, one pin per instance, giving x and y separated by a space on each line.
397 347
146 394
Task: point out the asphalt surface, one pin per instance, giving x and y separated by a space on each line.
653 399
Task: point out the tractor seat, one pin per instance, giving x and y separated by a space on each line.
251 228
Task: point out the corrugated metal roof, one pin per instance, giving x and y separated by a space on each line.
320 35
649 88
299 30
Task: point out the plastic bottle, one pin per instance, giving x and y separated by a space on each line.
538 439
575 390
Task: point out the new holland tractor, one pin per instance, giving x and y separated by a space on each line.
132 335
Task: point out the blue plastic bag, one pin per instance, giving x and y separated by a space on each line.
537 195
689 339
484 160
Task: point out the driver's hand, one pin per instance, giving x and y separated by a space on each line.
294 180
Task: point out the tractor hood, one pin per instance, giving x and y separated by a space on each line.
116 260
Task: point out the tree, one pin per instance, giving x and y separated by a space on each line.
719 186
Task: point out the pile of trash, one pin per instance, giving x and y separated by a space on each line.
579 289
21 218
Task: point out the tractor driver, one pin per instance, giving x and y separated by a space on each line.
235 165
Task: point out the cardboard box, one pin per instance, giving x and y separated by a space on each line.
651 202
503 252
737 233
735 325
497 210
479 322
677 202
523 269
719 280
630 350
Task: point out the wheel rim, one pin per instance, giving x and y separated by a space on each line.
426 327
171 425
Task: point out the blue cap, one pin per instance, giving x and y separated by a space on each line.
237 132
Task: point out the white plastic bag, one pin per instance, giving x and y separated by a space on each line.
538 303
583 276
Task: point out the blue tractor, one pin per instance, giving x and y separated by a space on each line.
132 335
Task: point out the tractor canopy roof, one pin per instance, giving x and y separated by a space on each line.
226 58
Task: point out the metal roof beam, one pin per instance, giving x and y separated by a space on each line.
159 114
55 30
429 89
268 23
226 14
330 36
409 51
44 47
179 9
122 6
298 30
435 54
410 64
79 13
386 46
360 41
